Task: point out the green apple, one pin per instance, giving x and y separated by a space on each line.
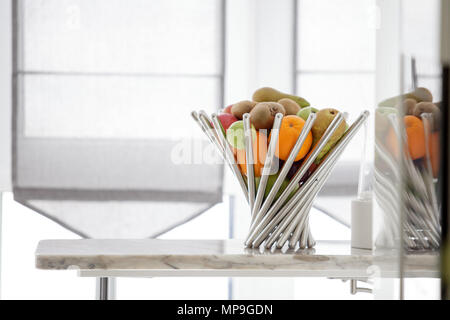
236 134
270 182
386 110
305 112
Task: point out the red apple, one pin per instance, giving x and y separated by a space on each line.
226 120
228 109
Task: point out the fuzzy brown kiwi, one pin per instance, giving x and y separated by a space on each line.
290 106
263 114
239 109
429 107
407 106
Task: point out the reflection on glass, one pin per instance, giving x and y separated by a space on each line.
408 143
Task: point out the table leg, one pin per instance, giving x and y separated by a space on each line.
1 228
106 288
354 289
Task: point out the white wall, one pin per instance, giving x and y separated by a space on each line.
5 95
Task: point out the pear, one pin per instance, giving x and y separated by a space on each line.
419 94
323 119
267 94
305 112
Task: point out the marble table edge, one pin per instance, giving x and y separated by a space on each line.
293 262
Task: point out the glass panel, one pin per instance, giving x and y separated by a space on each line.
387 180
407 150
108 36
336 34
421 201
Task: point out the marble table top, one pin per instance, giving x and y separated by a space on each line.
155 257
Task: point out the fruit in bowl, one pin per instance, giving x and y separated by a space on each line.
305 112
267 94
226 120
259 155
419 94
323 120
290 129
263 114
227 109
291 107
265 105
235 135
271 181
415 138
239 109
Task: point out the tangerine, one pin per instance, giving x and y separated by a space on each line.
415 136
259 154
290 129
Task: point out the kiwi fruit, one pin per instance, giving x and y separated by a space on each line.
239 109
429 107
407 106
419 94
263 114
290 106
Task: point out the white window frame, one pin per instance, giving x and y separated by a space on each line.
5 95
344 178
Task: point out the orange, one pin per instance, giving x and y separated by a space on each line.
434 147
290 129
259 154
415 136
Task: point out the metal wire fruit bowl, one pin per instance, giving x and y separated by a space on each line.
279 217
416 186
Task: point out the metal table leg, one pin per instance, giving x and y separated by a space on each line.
106 288
1 211
354 289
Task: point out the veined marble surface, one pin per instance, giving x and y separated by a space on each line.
328 258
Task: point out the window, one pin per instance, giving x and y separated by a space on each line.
335 60
104 72
121 66
421 40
